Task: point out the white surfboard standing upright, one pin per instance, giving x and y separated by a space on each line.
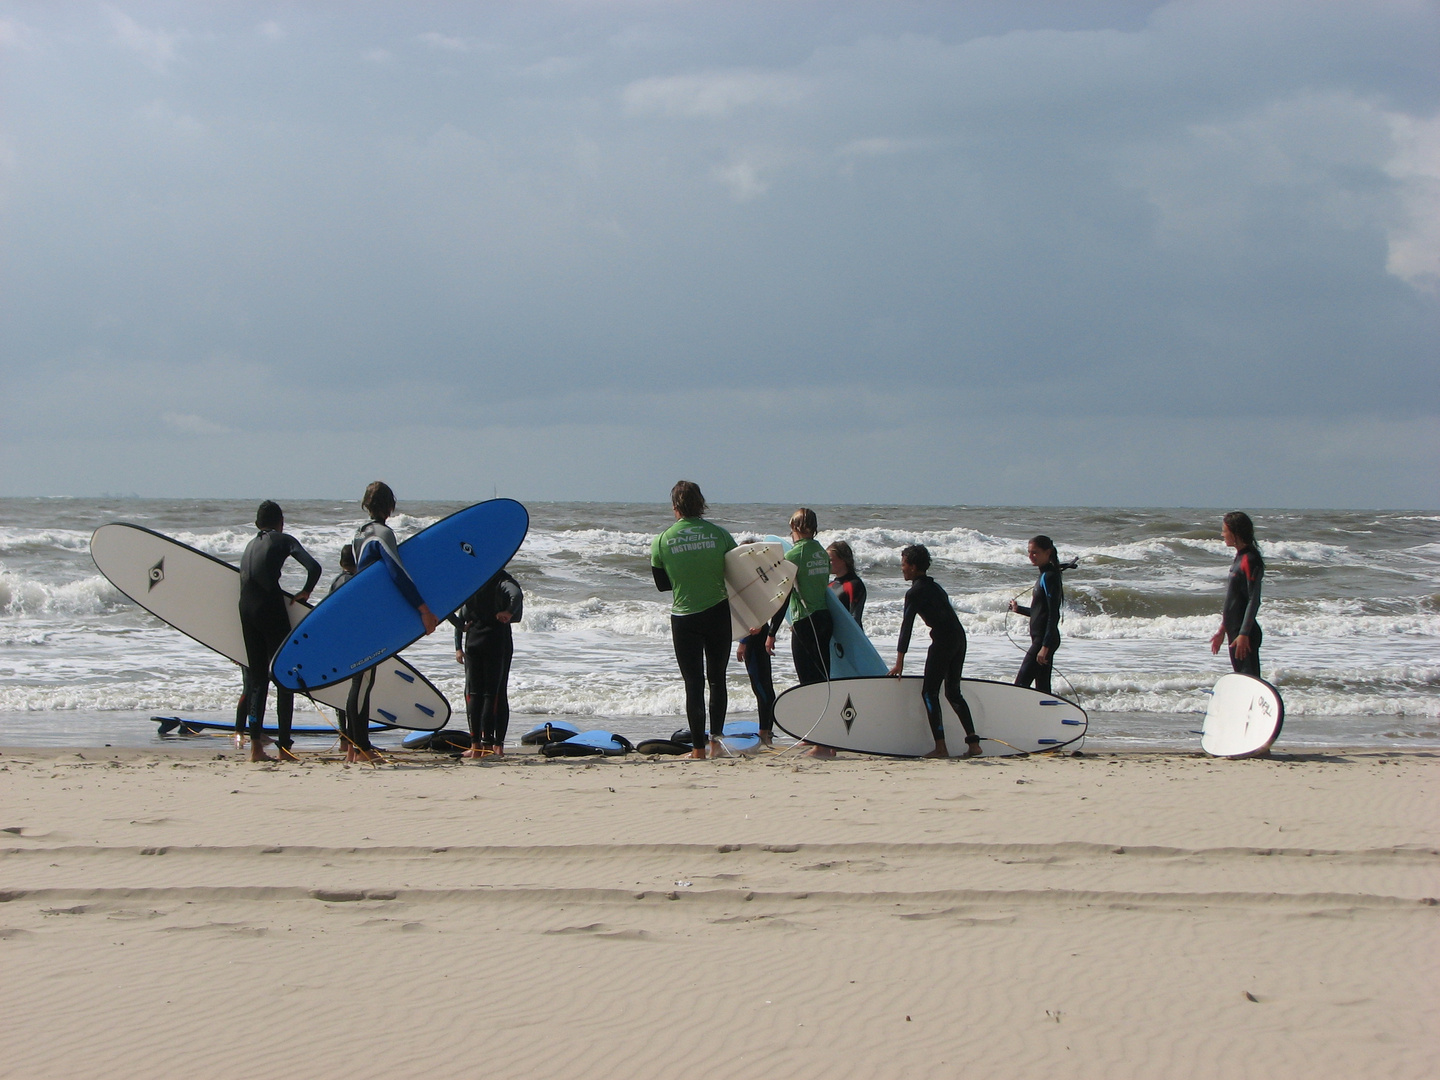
1244 718
199 595
758 579
884 715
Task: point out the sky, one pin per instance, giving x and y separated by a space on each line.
1068 253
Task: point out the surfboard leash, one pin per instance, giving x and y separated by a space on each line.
344 740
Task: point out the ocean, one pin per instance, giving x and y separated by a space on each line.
1351 615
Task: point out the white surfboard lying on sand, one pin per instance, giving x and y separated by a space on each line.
887 716
758 579
1244 717
199 595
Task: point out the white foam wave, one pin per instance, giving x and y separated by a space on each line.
90 596
12 539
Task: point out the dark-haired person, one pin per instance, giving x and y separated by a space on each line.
1044 616
945 662
688 560
265 623
485 644
1242 596
847 586
375 542
810 624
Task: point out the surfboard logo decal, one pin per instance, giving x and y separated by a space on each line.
156 573
839 648
849 714
465 547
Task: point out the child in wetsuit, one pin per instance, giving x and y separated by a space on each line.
265 623
485 645
945 662
1044 615
1242 596
347 571
847 586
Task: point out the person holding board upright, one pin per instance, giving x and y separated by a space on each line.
265 623
1242 596
810 623
1044 615
375 542
945 662
688 560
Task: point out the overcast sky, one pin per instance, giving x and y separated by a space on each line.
1067 253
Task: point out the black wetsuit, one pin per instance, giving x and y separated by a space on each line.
488 645
1242 602
945 662
266 624
702 652
340 579
1044 614
762 679
851 592
374 542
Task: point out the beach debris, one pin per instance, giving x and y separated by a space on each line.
1251 997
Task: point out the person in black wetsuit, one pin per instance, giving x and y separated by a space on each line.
485 645
1242 596
347 571
752 653
375 542
265 622
945 662
1044 615
847 586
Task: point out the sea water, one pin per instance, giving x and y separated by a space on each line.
1351 615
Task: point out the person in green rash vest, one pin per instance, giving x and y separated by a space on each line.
810 624
688 559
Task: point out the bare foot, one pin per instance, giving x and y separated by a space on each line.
257 753
718 749
972 749
698 754
497 751
286 754
475 752
820 751
940 750
767 739
361 755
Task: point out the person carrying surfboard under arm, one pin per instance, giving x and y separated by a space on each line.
1242 596
265 624
688 560
810 624
945 662
1044 615
375 542
485 645
847 586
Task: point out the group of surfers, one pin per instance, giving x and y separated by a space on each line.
688 560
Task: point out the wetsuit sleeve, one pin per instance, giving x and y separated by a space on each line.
1254 571
907 623
662 579
402 579
459 633
1021 609
779 616
304 558
1050 582
514 600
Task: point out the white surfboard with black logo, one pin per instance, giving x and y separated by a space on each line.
882 715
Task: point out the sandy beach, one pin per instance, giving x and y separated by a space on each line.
170 913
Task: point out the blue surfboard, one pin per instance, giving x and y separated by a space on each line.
356 627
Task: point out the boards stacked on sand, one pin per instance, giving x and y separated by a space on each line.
589 744
199 595
741 738
758 578
370 620
1244 718
887 716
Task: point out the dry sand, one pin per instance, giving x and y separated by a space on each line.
171 914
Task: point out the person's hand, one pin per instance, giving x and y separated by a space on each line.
428 619
740 652
1242 646
1014 606
459 656
503 616
1043 655
1217 641
302 597
770 644
899 668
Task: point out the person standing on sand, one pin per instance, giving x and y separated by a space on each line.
847 586
265 623
1044 615
1242 596
375 542
945 662
810 623
752 653
688 559
485 645
347 571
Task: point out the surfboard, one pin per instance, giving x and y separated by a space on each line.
180 725
887 716
757 580
199 595
1244 718
548 732
852 655
369 619
589 744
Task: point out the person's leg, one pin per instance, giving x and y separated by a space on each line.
1251 664
257 677
757 666
242 707
804 648
717 659
822 629
954 670
1027 673
357 713
474 697
500 715
277 629
690 656
936 659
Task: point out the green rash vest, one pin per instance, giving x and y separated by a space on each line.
692 554
811 581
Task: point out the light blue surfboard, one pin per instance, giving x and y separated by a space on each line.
356 627
852 655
